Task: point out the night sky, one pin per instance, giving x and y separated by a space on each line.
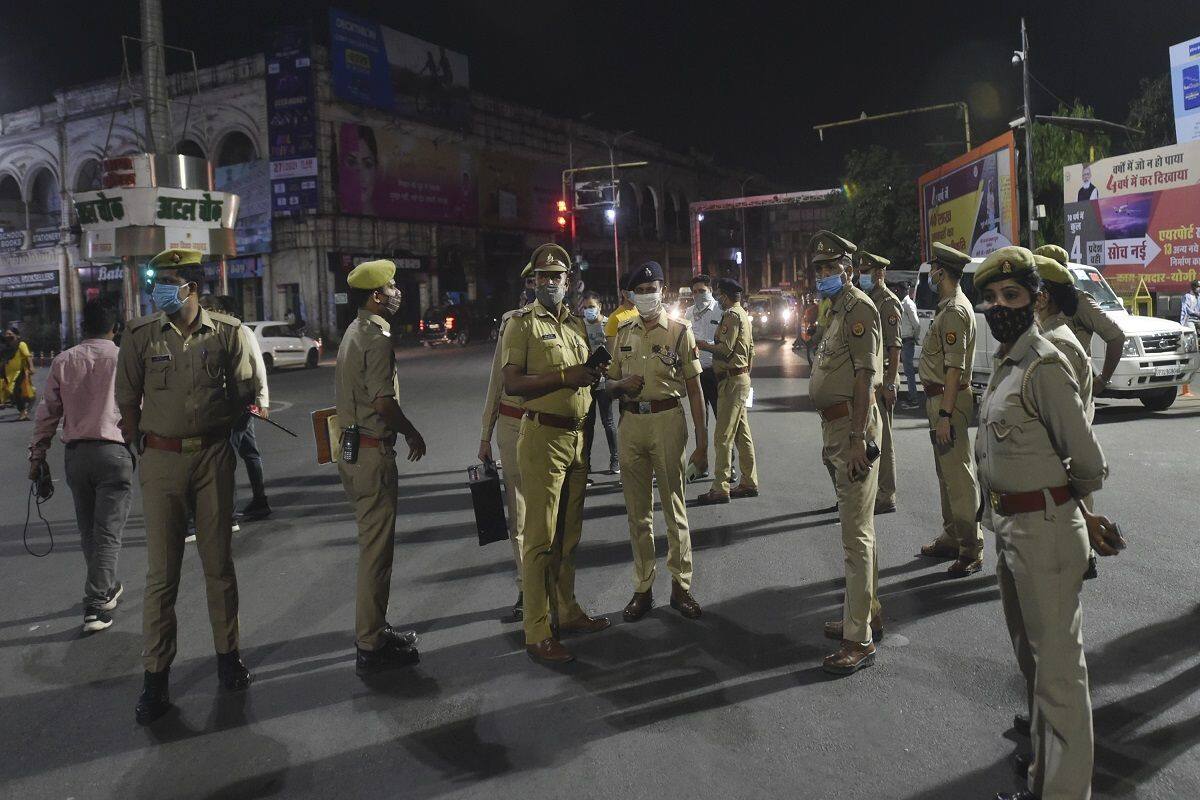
745 81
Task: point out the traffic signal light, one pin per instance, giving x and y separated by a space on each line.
561 219
148 273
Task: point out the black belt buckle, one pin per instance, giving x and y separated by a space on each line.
643 406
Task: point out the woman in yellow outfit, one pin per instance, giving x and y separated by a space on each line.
16 383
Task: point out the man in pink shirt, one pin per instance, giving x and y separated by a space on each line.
80 394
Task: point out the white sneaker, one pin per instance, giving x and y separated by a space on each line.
96 620
190 539
111 598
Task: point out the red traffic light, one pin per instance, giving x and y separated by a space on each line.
562 206
562 221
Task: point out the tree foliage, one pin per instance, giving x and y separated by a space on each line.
1055 147
879 212
1153 113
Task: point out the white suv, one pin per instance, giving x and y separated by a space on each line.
283 347
1159 355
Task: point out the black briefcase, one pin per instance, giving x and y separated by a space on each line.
488 501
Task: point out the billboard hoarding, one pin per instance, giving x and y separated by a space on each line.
970 203
384 172
1185 89
291 123
373 65
1154 170
251 183
518 192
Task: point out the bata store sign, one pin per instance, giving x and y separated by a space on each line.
1137 218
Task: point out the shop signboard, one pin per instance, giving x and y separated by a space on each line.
1185 89
970 203
11 240
181 208
29 284
291 123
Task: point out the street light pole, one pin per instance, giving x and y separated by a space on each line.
1028 136
612 164
745 253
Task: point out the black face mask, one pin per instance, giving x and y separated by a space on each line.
1007 324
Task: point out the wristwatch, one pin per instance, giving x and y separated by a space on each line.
889 387
944 413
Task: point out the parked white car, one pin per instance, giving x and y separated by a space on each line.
283 347
1159 356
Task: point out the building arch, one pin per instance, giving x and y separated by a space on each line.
670 225
190 147
88 175
235 147
43 198
685 218
12 203
627 209
648 213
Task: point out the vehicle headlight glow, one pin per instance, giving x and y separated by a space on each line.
1187 342
787 315
1130 348
763 319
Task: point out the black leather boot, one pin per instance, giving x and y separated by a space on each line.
232 672
155 699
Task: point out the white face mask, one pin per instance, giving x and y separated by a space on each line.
704 298
648 305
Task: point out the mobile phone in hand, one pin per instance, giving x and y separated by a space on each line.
599 357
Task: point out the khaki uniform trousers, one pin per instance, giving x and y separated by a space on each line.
887 455
856 511
956 479
174 485
507 431
553 480
372 487
733 430
1041 557
652 445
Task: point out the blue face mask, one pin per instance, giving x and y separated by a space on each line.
166 297
591 313
866 281
830 286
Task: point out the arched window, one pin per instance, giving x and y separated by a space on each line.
12 205
236 148
189 148
670 217
45 203
627 210
684 219
88 177
648 214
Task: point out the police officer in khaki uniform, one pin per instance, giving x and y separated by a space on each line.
946 360
183 380
1054 305
733 355
1037 458
368 392
843 389
656 363
545 349
872 276
1089 319
502 413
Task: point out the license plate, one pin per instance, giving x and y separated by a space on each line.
1165 372
435 327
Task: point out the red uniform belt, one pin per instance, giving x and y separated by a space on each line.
650 406
732 372
839 410
368 441
1010 503
936 389
511 411
555 421
188 444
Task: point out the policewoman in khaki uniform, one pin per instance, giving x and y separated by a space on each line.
845 377
872 277
1088 320
947 357
183 380
733 355
502 413
655 365
368 392
1037 457
1054 305
545 350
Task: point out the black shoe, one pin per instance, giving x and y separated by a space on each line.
519 607
96 619
590 482
232 672
155 699
258 508
614 467
1091 568
111 598
1021 724
1023 794
399 649
1021 762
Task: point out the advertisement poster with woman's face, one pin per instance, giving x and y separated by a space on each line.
388 173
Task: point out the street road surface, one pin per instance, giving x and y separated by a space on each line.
731 706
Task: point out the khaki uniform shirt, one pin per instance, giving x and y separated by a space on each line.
495 390
1057 331
888 306
1032 431
734 341
950 340
366 371
1090 319
186 386
854 341
664 353
538 342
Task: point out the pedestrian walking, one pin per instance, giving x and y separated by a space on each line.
79 395
369 413
602 399
704 315
183 380
1189 310
946 361
17 376
545 352
1037 458
872 276
844 387
910 328
656 365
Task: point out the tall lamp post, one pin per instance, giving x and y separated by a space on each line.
1021 57
616 198
745 252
